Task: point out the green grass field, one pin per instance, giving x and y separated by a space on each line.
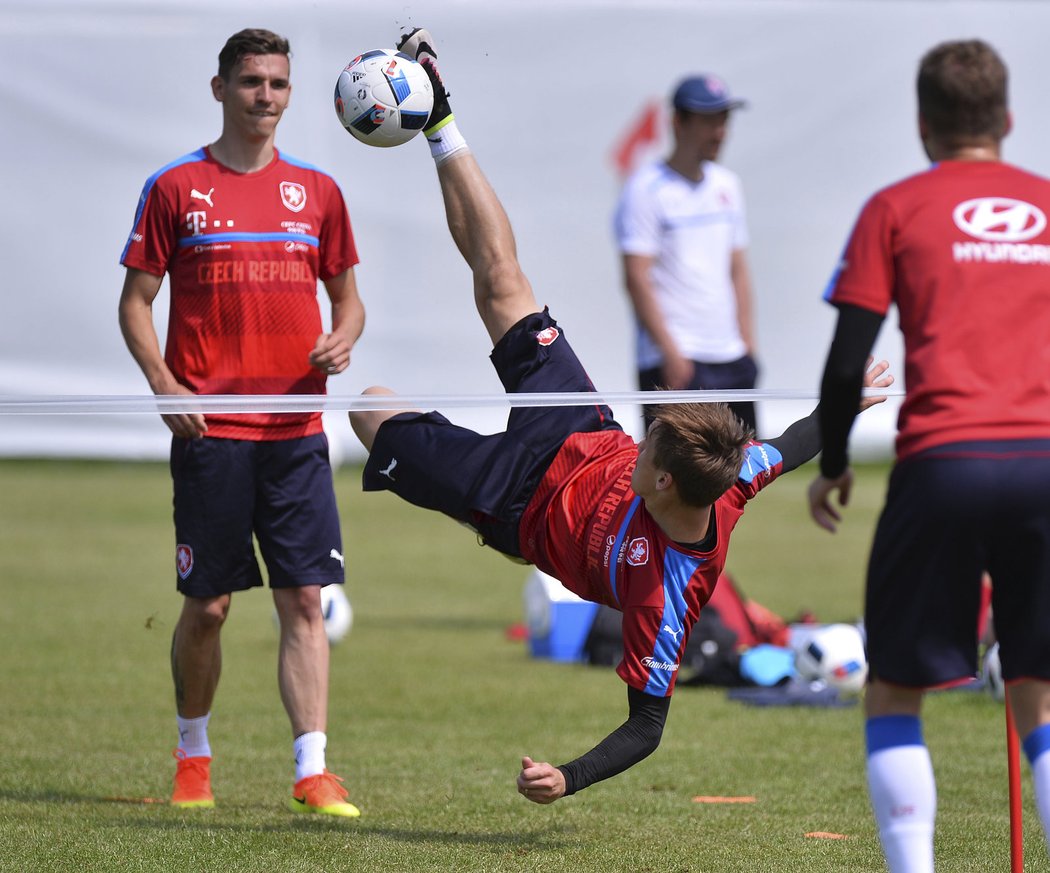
432 707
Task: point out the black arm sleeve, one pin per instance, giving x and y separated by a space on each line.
635 739
841 386
800 442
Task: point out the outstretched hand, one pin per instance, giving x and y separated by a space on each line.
540 783
875 376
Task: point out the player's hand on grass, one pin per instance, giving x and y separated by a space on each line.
186 425
331 353
821 490
540 783
875 376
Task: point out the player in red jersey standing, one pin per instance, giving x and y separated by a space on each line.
643 528
963 250
244 233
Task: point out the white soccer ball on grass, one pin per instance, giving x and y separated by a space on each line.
383 98
834 653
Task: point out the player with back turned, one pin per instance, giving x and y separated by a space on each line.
245 233
641 527
963 251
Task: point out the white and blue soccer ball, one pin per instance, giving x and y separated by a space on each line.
383 98
833 653
337 612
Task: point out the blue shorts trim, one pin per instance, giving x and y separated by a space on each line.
890 731
486 481
280 492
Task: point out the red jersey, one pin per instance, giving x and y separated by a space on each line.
586 527
243 252
964 251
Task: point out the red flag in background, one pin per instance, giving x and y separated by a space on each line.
638 139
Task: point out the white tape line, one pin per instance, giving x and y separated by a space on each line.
126 404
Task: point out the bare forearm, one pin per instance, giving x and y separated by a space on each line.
136 324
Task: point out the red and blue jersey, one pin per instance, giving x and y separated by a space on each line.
243 252
586 527
963 250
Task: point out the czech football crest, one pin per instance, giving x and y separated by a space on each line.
546 336
638 552
293 195
184 560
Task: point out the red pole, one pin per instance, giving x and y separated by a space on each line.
1013 759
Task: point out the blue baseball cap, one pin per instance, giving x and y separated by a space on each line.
704 93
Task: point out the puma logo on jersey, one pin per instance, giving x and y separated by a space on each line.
335 554
389 471
196 195
675 634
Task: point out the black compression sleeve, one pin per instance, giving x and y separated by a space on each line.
799 443
635 739
841 386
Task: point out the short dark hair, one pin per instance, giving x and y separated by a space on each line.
962 92
701 445
250 41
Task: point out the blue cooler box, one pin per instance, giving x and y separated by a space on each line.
557 620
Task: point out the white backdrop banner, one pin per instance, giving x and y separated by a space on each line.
106 93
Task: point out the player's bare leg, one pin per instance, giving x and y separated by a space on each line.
366 422
302 660
196 653
483 235
476 218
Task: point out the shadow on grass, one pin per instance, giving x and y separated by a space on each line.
548 838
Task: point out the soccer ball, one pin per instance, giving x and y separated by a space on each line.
834 653
337 612
383 98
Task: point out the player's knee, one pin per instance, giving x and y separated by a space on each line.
500 280
365 422
203 615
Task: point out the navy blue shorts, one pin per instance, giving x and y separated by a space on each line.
226 490
952 513
741 373
486 481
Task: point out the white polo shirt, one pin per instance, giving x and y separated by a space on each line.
691 229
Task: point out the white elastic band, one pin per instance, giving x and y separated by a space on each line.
125 404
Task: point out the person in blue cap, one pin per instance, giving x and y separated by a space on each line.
681 230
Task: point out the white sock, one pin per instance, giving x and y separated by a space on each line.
309 754
193 736
445 140
903 792
1036 746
